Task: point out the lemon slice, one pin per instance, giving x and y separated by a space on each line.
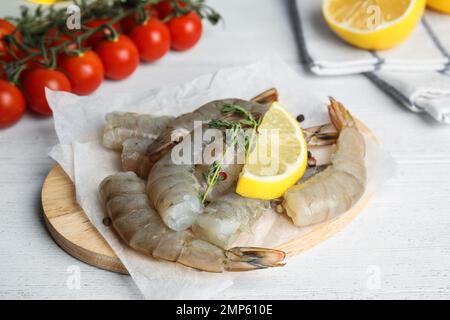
373 24
439 5
279 158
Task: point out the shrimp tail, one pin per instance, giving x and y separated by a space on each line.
267 97
250 258
339 115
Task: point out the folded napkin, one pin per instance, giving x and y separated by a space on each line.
421 92
427 49
416 73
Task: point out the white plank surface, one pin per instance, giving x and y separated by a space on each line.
398 248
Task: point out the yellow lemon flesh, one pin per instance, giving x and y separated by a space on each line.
373 24
439 5
278 159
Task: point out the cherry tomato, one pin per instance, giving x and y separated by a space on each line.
101 34
152 39
185 31
164 8
12 104
120 57
2 73
7 28
85 71
129 22
35 84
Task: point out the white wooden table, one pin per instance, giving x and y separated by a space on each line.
398 248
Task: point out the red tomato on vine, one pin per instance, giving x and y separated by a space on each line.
85 71
185 31
120 57
7 28
34 86
12 104
152 39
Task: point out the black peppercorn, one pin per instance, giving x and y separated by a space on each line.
107 221
300 118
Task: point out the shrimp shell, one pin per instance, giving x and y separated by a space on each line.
336 189
142 229
121 126
225 218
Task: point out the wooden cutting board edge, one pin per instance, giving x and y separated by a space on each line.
72 231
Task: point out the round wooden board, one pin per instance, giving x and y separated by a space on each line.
72 230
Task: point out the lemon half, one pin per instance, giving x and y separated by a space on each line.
373 24
279 158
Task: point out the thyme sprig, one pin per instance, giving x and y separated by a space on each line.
234 127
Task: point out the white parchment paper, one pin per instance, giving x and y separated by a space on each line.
79 122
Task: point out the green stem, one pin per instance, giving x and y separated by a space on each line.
213 180
16 76
210 185
53 60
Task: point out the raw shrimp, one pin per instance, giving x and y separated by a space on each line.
121 126
226 217
175 193
143 230
337 188
184 124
